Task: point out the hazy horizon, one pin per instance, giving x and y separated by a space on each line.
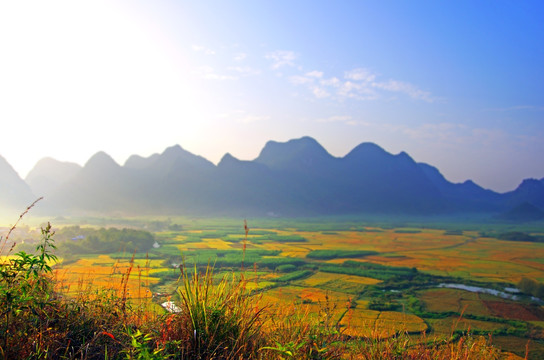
122 163
456 85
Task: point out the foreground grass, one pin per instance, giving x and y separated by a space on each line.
216 319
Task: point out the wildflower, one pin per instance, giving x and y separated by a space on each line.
108 334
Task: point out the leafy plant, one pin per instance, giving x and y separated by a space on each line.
24 285
139 347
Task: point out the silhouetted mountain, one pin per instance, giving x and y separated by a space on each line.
138 162
99 186
295 178
299 155
49 174
522 213
530 191
167 181
384 182
462 196
15 194
171 160
305 175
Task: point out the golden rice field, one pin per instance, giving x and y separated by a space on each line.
430 250
124 277
380 324
340 297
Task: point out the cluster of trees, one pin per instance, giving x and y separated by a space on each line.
77 240
295 275
277 238
532 287
519 236
235 259
375 271
335 254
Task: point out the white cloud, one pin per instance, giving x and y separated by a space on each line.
349 89
202 49
334 81
406 88
281 58
207 72
357 84
319 92
300 80
360 74
244 70
240 56
315 74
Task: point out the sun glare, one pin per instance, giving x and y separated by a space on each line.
90 67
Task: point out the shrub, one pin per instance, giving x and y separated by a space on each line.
295 275
286 268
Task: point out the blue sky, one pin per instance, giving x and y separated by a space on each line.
458 84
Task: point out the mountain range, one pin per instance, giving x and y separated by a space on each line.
295 178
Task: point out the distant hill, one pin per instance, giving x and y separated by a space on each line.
462 195
294 178
522 213
49 174
15 194
530 190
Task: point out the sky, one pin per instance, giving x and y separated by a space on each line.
455 84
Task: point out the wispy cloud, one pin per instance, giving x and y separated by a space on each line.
320 92
240 56
355 90
315 74
300 80
203 49
360 74
406 88
358 84
244 70
281 58
209 73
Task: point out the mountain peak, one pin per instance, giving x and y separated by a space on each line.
14 192
101 160
49 174
49 162
366 149
175 150
294 154
173 158
227 159
531 185
5 167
